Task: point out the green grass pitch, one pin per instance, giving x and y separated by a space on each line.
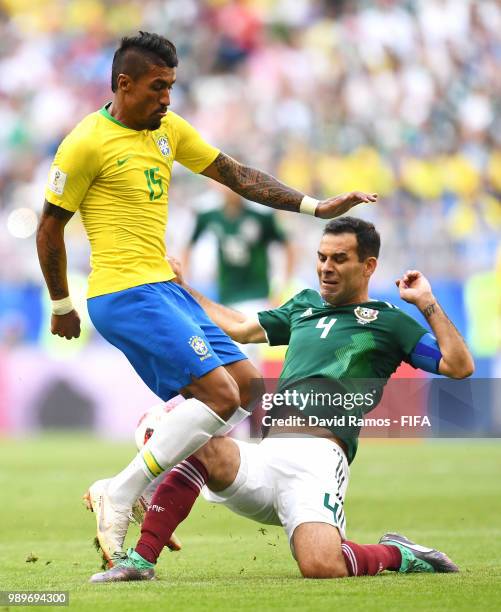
447 494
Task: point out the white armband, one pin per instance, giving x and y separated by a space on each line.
308 205
62 307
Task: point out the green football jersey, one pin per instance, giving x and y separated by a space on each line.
347 349
242 251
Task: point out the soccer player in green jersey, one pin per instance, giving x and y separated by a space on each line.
115 168
336 334
243 236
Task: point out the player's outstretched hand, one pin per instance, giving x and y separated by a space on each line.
66 326
338 205
414 287
175 264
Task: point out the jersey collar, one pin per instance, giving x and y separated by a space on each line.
106 113
324 303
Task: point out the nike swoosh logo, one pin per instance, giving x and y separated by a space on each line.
121 162
102 523
419 548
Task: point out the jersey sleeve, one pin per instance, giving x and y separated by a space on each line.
408 333
277 323
75 166
192 150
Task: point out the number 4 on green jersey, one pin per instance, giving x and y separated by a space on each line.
325 326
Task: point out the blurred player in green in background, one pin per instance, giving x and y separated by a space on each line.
243 236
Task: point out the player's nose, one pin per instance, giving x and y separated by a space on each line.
165 98
327 266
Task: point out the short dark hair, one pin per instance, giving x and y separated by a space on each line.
136 53
368 239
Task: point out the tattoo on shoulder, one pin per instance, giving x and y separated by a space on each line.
256 185
429 310
56 211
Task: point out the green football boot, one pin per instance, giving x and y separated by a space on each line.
417 558
129 568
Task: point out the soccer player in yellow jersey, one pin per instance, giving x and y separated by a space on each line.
115 167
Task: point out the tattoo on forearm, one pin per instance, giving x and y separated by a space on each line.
256 185
55 271
51 250
429 310
434 308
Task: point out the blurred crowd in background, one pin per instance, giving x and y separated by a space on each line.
400 97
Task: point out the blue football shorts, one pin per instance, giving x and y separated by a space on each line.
164 333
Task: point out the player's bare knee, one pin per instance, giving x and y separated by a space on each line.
320 568
208 455
221 458
317 548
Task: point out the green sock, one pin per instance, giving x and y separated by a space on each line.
410 563
137 561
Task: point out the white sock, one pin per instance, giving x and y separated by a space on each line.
182 432
152 486
237 417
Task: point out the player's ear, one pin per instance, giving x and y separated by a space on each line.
370 266
124 82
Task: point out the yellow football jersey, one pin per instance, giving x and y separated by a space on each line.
119 179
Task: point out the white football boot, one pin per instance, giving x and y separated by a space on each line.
112 522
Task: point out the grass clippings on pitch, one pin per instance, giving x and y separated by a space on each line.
445 494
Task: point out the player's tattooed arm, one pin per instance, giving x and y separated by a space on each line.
253 184
265 189
429 310
52 257
51 249
456 361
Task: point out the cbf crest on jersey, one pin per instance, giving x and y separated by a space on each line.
365 315
163 145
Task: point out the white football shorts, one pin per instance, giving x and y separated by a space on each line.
288 481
